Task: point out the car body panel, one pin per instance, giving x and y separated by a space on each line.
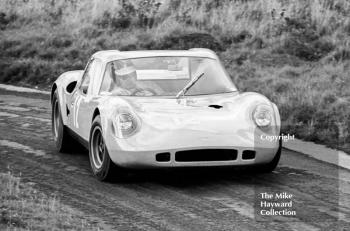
64 97
111 55
83 107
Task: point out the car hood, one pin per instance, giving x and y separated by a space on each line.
186 105
202 119
202 112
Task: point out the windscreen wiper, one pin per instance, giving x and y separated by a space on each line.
189 85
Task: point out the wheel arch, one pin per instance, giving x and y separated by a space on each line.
104 122
96 113
53 89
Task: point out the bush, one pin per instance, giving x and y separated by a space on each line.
90 32
282 86
189 40
115 23
60 41
5 20
308 51
341 55
48 54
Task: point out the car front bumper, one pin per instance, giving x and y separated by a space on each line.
148 159
214 134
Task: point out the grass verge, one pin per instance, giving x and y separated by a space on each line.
22 207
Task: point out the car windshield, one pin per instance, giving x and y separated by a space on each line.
165 76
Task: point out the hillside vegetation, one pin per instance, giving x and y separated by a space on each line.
295 52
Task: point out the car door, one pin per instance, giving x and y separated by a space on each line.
85 99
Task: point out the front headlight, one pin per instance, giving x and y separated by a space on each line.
126 124
262 115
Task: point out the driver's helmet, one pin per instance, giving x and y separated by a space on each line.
124 67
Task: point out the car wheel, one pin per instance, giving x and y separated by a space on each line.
102 166
266 168
63 141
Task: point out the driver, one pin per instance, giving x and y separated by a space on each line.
125 81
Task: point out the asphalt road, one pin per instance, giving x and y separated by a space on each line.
196 199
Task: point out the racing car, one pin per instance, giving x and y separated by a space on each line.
161 109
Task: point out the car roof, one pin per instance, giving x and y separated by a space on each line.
111 55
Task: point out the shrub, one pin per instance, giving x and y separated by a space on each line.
308 51
329 98
90 32
60 41
282 86
189 40
48 54
5 20
112 22
122 22
341 55
241 37
15 72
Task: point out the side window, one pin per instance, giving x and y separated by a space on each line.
84 86
107 82
97 76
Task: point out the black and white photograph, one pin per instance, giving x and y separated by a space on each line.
175 115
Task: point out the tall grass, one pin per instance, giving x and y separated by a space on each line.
24 208
296 52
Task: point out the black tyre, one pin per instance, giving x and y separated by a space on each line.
63 140
266 168
102 166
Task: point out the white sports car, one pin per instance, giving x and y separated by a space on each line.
141 109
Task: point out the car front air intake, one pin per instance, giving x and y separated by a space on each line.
206 155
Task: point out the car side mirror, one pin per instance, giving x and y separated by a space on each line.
84 89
